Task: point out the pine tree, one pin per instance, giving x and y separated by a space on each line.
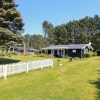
11 23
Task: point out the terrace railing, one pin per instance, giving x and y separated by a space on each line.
16 68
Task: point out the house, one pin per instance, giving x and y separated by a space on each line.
72 50
24 50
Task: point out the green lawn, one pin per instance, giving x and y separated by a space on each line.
76 80
19 58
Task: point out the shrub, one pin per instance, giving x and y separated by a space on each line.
13 53
89 54
51 56
2 53
94 54
37 52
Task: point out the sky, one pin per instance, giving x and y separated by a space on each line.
57 12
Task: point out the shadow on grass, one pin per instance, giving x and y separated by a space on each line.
97 85
8 61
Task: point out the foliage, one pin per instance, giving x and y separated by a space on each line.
89 54
14 53
48 33
2 53
51 55
36 41
83 31
11 23
37 52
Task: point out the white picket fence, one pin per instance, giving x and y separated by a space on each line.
15 68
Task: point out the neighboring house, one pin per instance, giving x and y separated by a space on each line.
24 50
72 50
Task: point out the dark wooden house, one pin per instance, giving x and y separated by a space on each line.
72 50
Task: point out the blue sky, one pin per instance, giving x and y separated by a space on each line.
34 12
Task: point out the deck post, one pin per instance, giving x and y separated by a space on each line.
63 52
81 53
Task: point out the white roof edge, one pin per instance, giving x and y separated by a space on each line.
85 46
91 47
88 46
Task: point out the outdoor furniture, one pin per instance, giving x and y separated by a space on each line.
70 58
58 61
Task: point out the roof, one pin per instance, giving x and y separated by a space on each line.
22 48
77 46
71 46
55 47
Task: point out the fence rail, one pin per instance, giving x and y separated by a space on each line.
16 68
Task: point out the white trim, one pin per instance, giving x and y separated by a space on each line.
85 46
89 46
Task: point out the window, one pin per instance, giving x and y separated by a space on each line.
85 51
74 51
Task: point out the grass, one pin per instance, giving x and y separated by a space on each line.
76 80
19 58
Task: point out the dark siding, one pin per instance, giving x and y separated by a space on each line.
66 53
70 53
74 54
49 51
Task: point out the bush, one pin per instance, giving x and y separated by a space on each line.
51 56
89 54
37 52
94 54
2 53
14 53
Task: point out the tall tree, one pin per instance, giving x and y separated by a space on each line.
35 41
11 23
77 31
48 32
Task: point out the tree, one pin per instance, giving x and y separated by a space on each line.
48 32
80 31
11 23
35 41
61 35
27 39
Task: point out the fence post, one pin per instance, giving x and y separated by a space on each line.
52 62
5 71
42 64
27 66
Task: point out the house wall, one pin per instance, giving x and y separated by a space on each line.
70 53
55 53
75 53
